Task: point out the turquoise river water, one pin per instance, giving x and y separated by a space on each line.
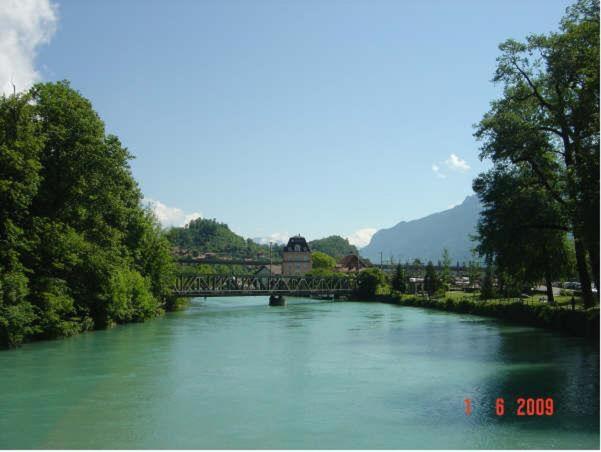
236 373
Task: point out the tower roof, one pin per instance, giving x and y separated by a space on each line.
297 240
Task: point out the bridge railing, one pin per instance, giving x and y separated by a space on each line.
211 284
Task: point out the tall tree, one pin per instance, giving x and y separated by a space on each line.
417 268
445 274
474 273
431 280
510 229
399 282
487 290
548 119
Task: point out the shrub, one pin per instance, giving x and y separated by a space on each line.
578 323
130 298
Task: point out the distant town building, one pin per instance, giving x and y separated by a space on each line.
296 257
351 263
416 285
461 281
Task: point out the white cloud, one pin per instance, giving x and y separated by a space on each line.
191 216
436 170
171 216
455 163
361 237
276 237
25 25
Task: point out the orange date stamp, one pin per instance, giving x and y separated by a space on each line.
524 406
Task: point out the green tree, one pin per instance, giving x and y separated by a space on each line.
20 148
368 281
399 282
509 231
78 251
474 273
487 290
548 120
446 276
431 280
417 268
325 272
321 260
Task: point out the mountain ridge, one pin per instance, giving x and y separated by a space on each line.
425 238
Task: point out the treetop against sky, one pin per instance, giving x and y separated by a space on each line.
270 115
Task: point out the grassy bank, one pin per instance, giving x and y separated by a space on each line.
583 323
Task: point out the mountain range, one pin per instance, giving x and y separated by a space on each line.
426 237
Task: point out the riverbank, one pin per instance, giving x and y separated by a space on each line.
582 323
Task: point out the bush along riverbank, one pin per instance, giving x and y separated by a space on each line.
582 323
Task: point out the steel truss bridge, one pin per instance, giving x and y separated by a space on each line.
232 285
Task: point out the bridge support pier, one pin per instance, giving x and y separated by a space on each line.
277 300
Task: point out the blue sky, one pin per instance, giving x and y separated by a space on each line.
284 117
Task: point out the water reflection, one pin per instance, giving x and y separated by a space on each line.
543 364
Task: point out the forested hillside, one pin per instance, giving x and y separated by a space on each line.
334 246
209 236
77 250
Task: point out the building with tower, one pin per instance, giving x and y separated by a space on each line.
296 260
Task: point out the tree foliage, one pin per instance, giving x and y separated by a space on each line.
521 227
399 279
432 282
78 250
326 272
487 290
545 128
368 281
446 275
321 260
474 273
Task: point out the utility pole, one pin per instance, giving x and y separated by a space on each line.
381 262
270 243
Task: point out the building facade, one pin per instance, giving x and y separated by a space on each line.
296 257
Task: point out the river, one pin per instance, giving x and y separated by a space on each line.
236 373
